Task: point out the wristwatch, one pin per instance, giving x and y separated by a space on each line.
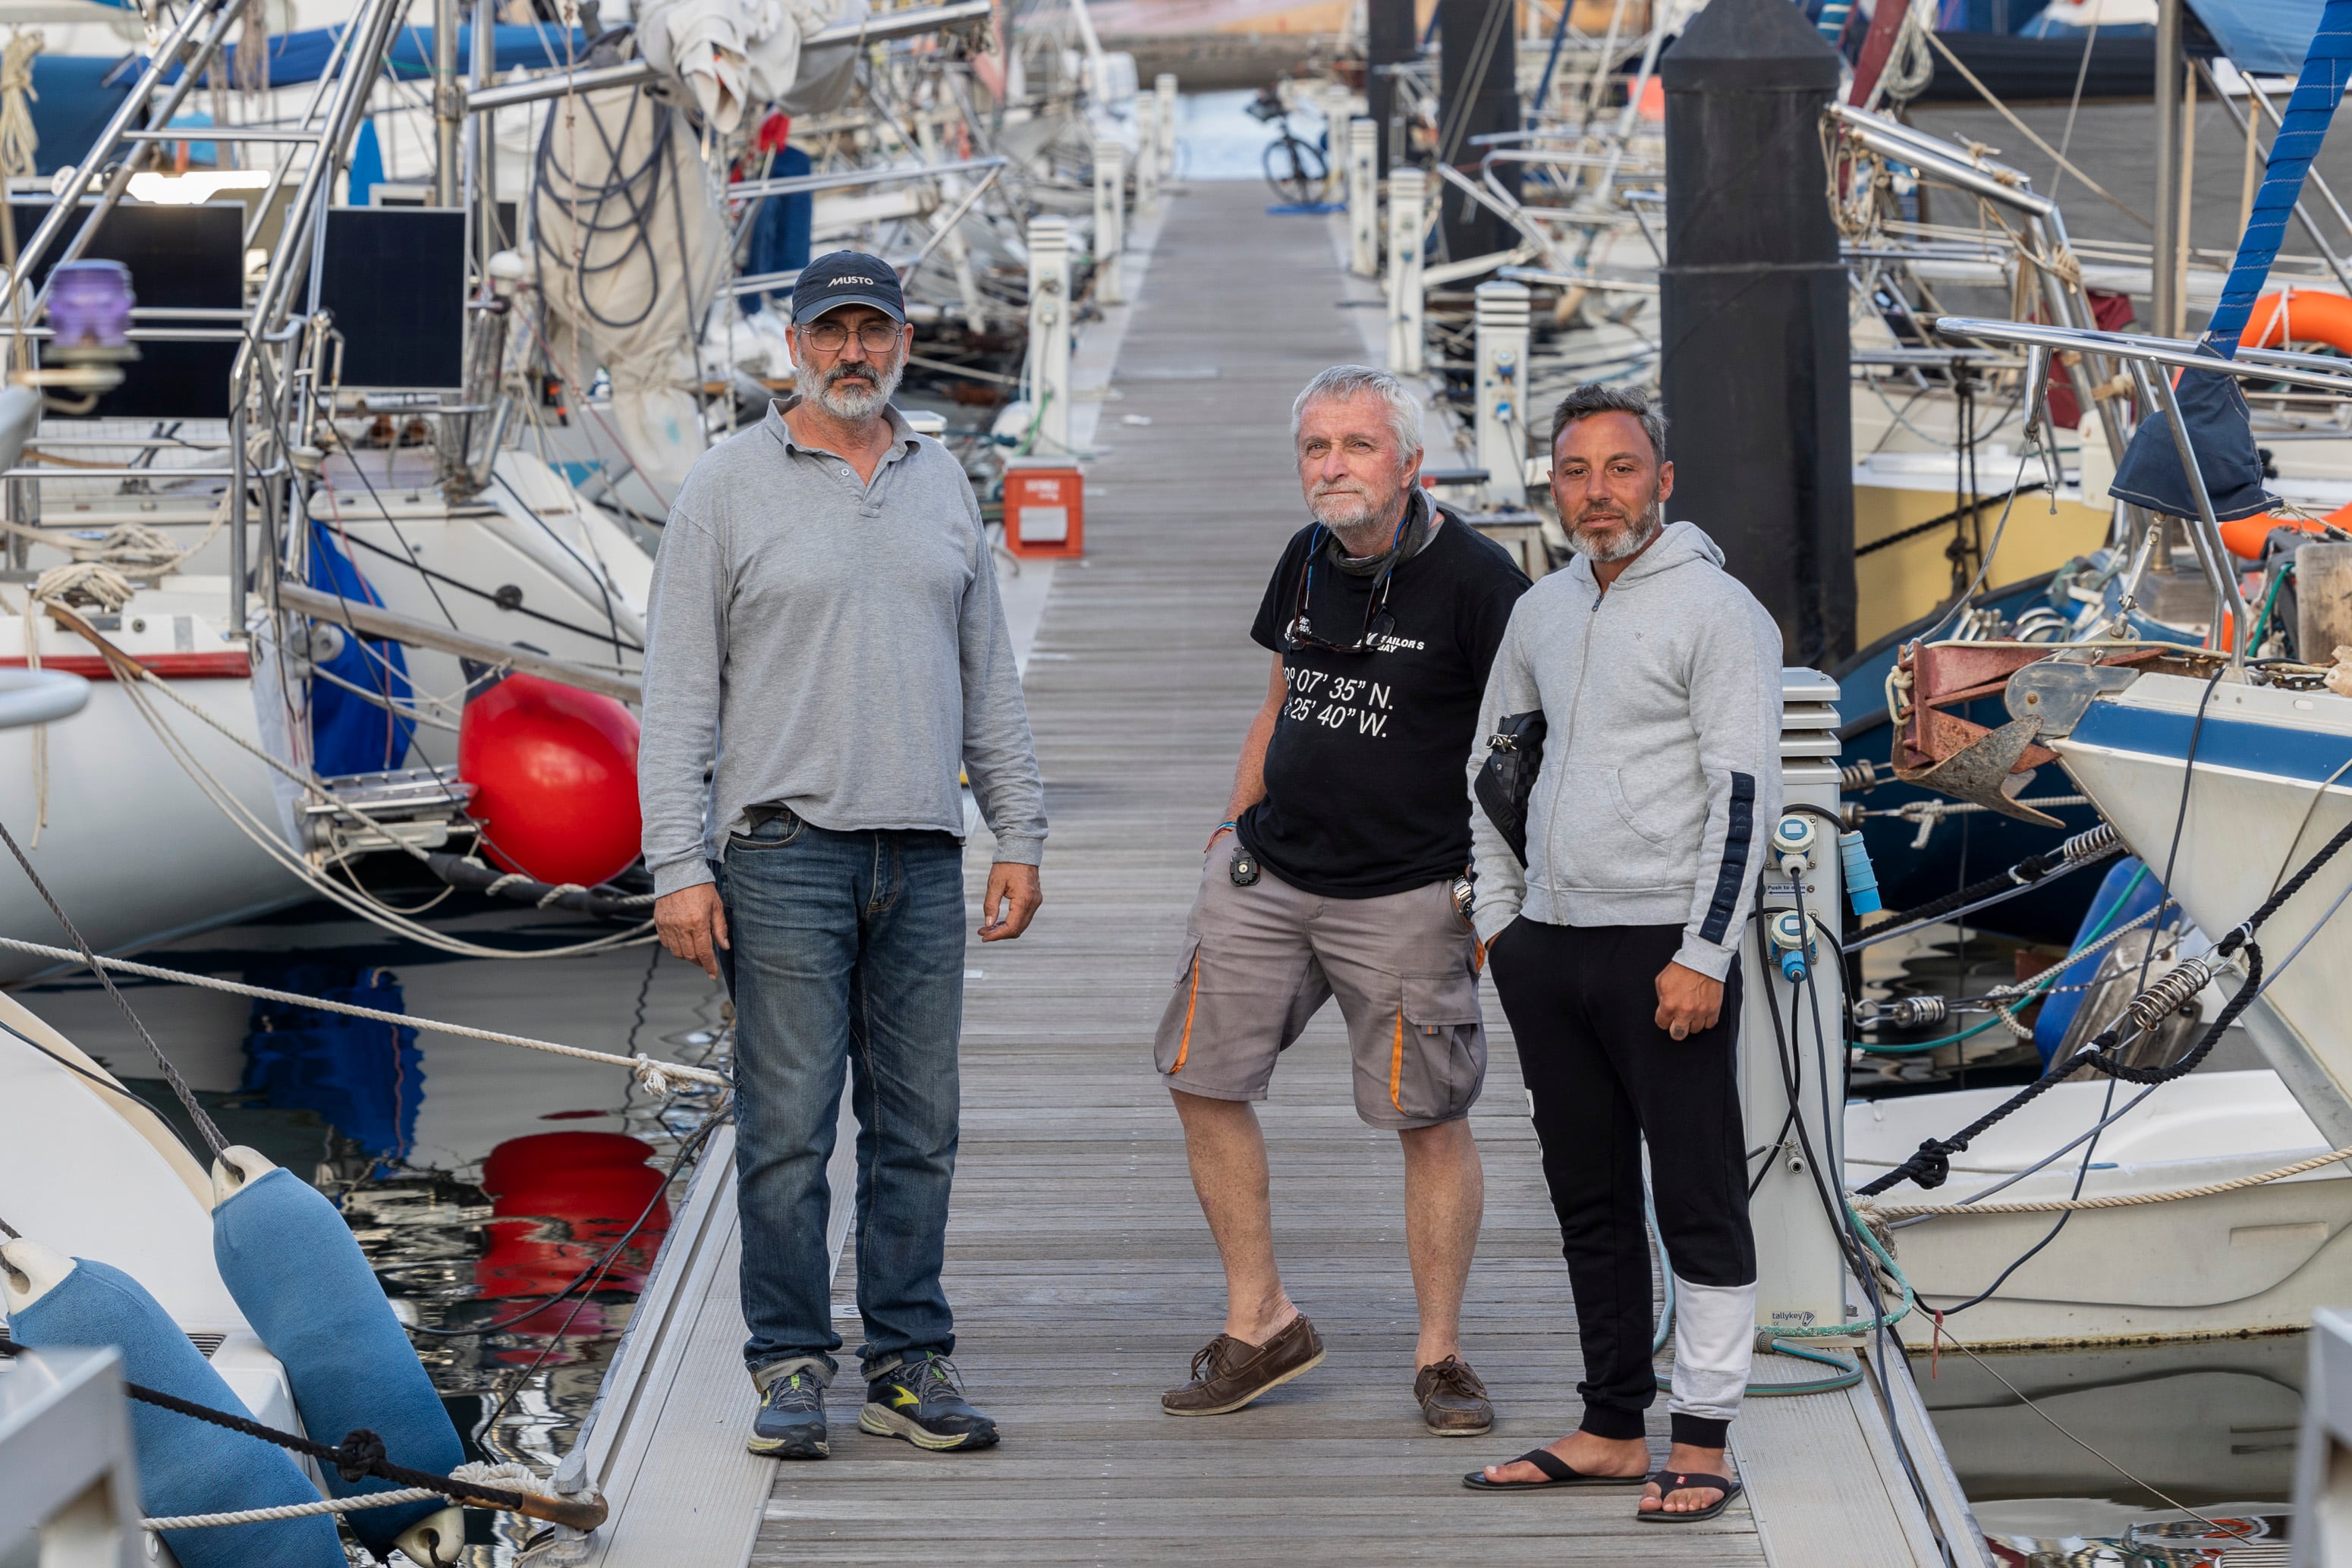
1465 896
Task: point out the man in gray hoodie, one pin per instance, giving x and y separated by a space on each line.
1616 949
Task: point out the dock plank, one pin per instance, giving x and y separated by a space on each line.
1082 1274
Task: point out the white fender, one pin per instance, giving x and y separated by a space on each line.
28 1272
437 1541
235 1165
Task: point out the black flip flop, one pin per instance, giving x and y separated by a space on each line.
1687 1480
1552 1466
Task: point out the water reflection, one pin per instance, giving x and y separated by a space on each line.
363 1078
478 1178
2208 1425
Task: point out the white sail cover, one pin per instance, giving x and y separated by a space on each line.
630 249
733 56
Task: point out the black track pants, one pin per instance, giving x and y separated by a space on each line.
1582 1001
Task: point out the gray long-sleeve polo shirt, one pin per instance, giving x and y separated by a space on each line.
830 645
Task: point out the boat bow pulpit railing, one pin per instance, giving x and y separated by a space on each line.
2044 232
2149 360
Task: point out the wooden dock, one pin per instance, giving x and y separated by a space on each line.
1082 1274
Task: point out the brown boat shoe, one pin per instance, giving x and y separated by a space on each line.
1228 1374
1453 1400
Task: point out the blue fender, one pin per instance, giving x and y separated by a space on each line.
185 1466
301 1281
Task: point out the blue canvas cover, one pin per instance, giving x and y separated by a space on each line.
2267 37
780 233
349 733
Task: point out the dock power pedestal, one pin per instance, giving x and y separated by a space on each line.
1803 1280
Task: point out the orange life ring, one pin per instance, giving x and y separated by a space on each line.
2290 316
2296 317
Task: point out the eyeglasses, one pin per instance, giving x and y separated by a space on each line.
1377 622
832 337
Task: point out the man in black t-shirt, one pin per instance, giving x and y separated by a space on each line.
1350 830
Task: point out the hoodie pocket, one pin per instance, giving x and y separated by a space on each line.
1599 842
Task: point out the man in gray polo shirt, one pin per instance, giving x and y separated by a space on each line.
826 651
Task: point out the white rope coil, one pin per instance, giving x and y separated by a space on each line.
2124 1200
84 582
654 1075
19 141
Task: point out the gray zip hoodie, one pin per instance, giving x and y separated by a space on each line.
1661 774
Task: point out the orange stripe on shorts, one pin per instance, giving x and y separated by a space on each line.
1396 1064
1192 1004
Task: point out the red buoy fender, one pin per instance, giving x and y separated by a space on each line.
554 772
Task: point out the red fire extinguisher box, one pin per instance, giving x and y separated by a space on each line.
1045 507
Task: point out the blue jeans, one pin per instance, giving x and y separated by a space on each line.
847 951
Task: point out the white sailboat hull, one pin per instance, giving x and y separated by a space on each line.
2255 1261
132 849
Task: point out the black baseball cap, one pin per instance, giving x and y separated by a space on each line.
846 278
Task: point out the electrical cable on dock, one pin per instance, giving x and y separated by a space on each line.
2085 848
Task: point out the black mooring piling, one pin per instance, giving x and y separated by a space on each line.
1753 302
1477 95
1390 38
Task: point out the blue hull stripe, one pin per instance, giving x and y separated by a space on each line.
2308 756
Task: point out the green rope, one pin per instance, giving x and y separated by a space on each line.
2041 982
1848 1372
2262 622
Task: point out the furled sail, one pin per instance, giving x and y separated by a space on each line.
734 56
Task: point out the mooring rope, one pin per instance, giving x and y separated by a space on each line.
2120 1201
361 1454
509 1477
653 1074
291 1510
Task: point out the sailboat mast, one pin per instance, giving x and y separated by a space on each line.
448 114
2165 304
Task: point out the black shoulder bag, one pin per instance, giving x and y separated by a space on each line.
1513 753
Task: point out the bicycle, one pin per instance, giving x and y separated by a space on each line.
1295 167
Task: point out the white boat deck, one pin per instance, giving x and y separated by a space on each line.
1082 1274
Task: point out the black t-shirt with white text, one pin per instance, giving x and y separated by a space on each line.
1365 790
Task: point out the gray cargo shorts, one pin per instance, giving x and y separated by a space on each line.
1259 961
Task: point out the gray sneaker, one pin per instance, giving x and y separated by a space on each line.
922 1401
791 1423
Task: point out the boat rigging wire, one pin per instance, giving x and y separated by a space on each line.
2216 1526
111 1086
653 1073
205 1128
2091 846
1991 551
2120 1201
1931 1163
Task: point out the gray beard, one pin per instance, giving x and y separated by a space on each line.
1356 523
1624 545
851 404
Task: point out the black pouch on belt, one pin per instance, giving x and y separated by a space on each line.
1508 781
